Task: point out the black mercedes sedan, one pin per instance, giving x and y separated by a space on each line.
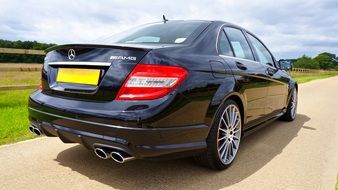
163 90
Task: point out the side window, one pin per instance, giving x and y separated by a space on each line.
224 45
239 43
263 54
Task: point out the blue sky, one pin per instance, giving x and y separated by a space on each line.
289 28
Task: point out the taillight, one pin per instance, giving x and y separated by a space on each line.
147 82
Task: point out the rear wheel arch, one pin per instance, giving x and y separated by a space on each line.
240 104
239 101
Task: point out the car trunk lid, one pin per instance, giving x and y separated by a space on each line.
89 71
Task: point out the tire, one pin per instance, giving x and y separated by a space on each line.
291 110
223 142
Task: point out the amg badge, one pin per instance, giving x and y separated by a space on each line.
119 57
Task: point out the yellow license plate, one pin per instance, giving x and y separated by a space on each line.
78 76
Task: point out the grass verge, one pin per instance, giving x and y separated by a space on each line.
14 116
10 78
302 78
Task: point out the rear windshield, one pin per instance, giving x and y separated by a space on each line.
171 32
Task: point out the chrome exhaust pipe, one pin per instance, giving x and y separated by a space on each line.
31 129
35 130
101 153
121 157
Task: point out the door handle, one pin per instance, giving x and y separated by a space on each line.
270 71
241 66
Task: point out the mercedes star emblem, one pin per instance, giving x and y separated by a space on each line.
71 54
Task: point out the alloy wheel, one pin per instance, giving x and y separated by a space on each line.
229 134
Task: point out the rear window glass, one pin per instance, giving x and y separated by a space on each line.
239 43
224 45
171 32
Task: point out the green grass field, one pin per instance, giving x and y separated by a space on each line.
14 116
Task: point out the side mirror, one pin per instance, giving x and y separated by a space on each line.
285 65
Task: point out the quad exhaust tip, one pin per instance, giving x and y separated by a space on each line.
31 129
35 130
101 153
117 155
121 157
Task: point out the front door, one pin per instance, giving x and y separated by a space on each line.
278 88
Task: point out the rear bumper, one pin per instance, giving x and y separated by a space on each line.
136 141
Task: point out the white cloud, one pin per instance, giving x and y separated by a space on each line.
289 28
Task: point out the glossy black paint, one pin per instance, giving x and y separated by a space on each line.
178 122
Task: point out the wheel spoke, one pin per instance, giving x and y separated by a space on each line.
223 130
222 138
234 115
225 154
231 118
223 144
229 151
225 124
224 150
227 116
234 146
237 130
236 124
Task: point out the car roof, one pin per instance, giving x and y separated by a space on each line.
217 22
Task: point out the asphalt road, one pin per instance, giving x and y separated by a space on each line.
284 155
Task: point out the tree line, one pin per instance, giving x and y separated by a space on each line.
324 61
20 58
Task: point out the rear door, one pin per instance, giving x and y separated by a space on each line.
278 88
249 73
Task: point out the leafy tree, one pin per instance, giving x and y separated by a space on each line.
336 68
326 60
24 44
306 63
335 62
